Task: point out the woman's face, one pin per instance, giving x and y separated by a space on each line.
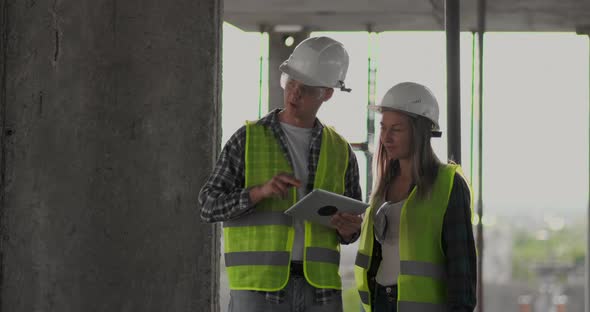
396 135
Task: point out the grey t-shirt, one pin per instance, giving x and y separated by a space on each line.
387 220
298 140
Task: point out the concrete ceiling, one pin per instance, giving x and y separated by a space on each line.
383 15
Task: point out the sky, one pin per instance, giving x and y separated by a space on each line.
535 116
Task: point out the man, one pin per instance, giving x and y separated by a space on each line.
275 262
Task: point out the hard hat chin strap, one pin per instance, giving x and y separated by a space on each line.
343 86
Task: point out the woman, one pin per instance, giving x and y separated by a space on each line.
416 250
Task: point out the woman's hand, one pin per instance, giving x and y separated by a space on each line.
346 224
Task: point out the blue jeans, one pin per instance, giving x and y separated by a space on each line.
385 299
300 297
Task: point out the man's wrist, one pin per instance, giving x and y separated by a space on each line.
255 195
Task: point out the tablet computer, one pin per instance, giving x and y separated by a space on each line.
319 205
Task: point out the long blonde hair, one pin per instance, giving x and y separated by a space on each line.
424 161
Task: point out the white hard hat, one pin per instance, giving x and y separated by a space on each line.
318 62
412 98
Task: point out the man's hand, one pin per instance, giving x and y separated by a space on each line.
346 224
277 187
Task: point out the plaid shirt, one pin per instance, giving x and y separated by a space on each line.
223 197
459 248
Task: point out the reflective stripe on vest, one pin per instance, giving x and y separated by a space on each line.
421 282
322 255
364 297
279 257
261 218
362 261
258 245
420 307
418 268
257 258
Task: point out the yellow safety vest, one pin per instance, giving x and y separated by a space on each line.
421 286
258 245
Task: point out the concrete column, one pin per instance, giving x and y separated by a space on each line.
278 53
110 124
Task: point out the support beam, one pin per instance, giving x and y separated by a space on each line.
585 30
479 205
452 22
110 124
278 53
481 29
371 99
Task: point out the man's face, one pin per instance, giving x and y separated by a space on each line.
302 101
